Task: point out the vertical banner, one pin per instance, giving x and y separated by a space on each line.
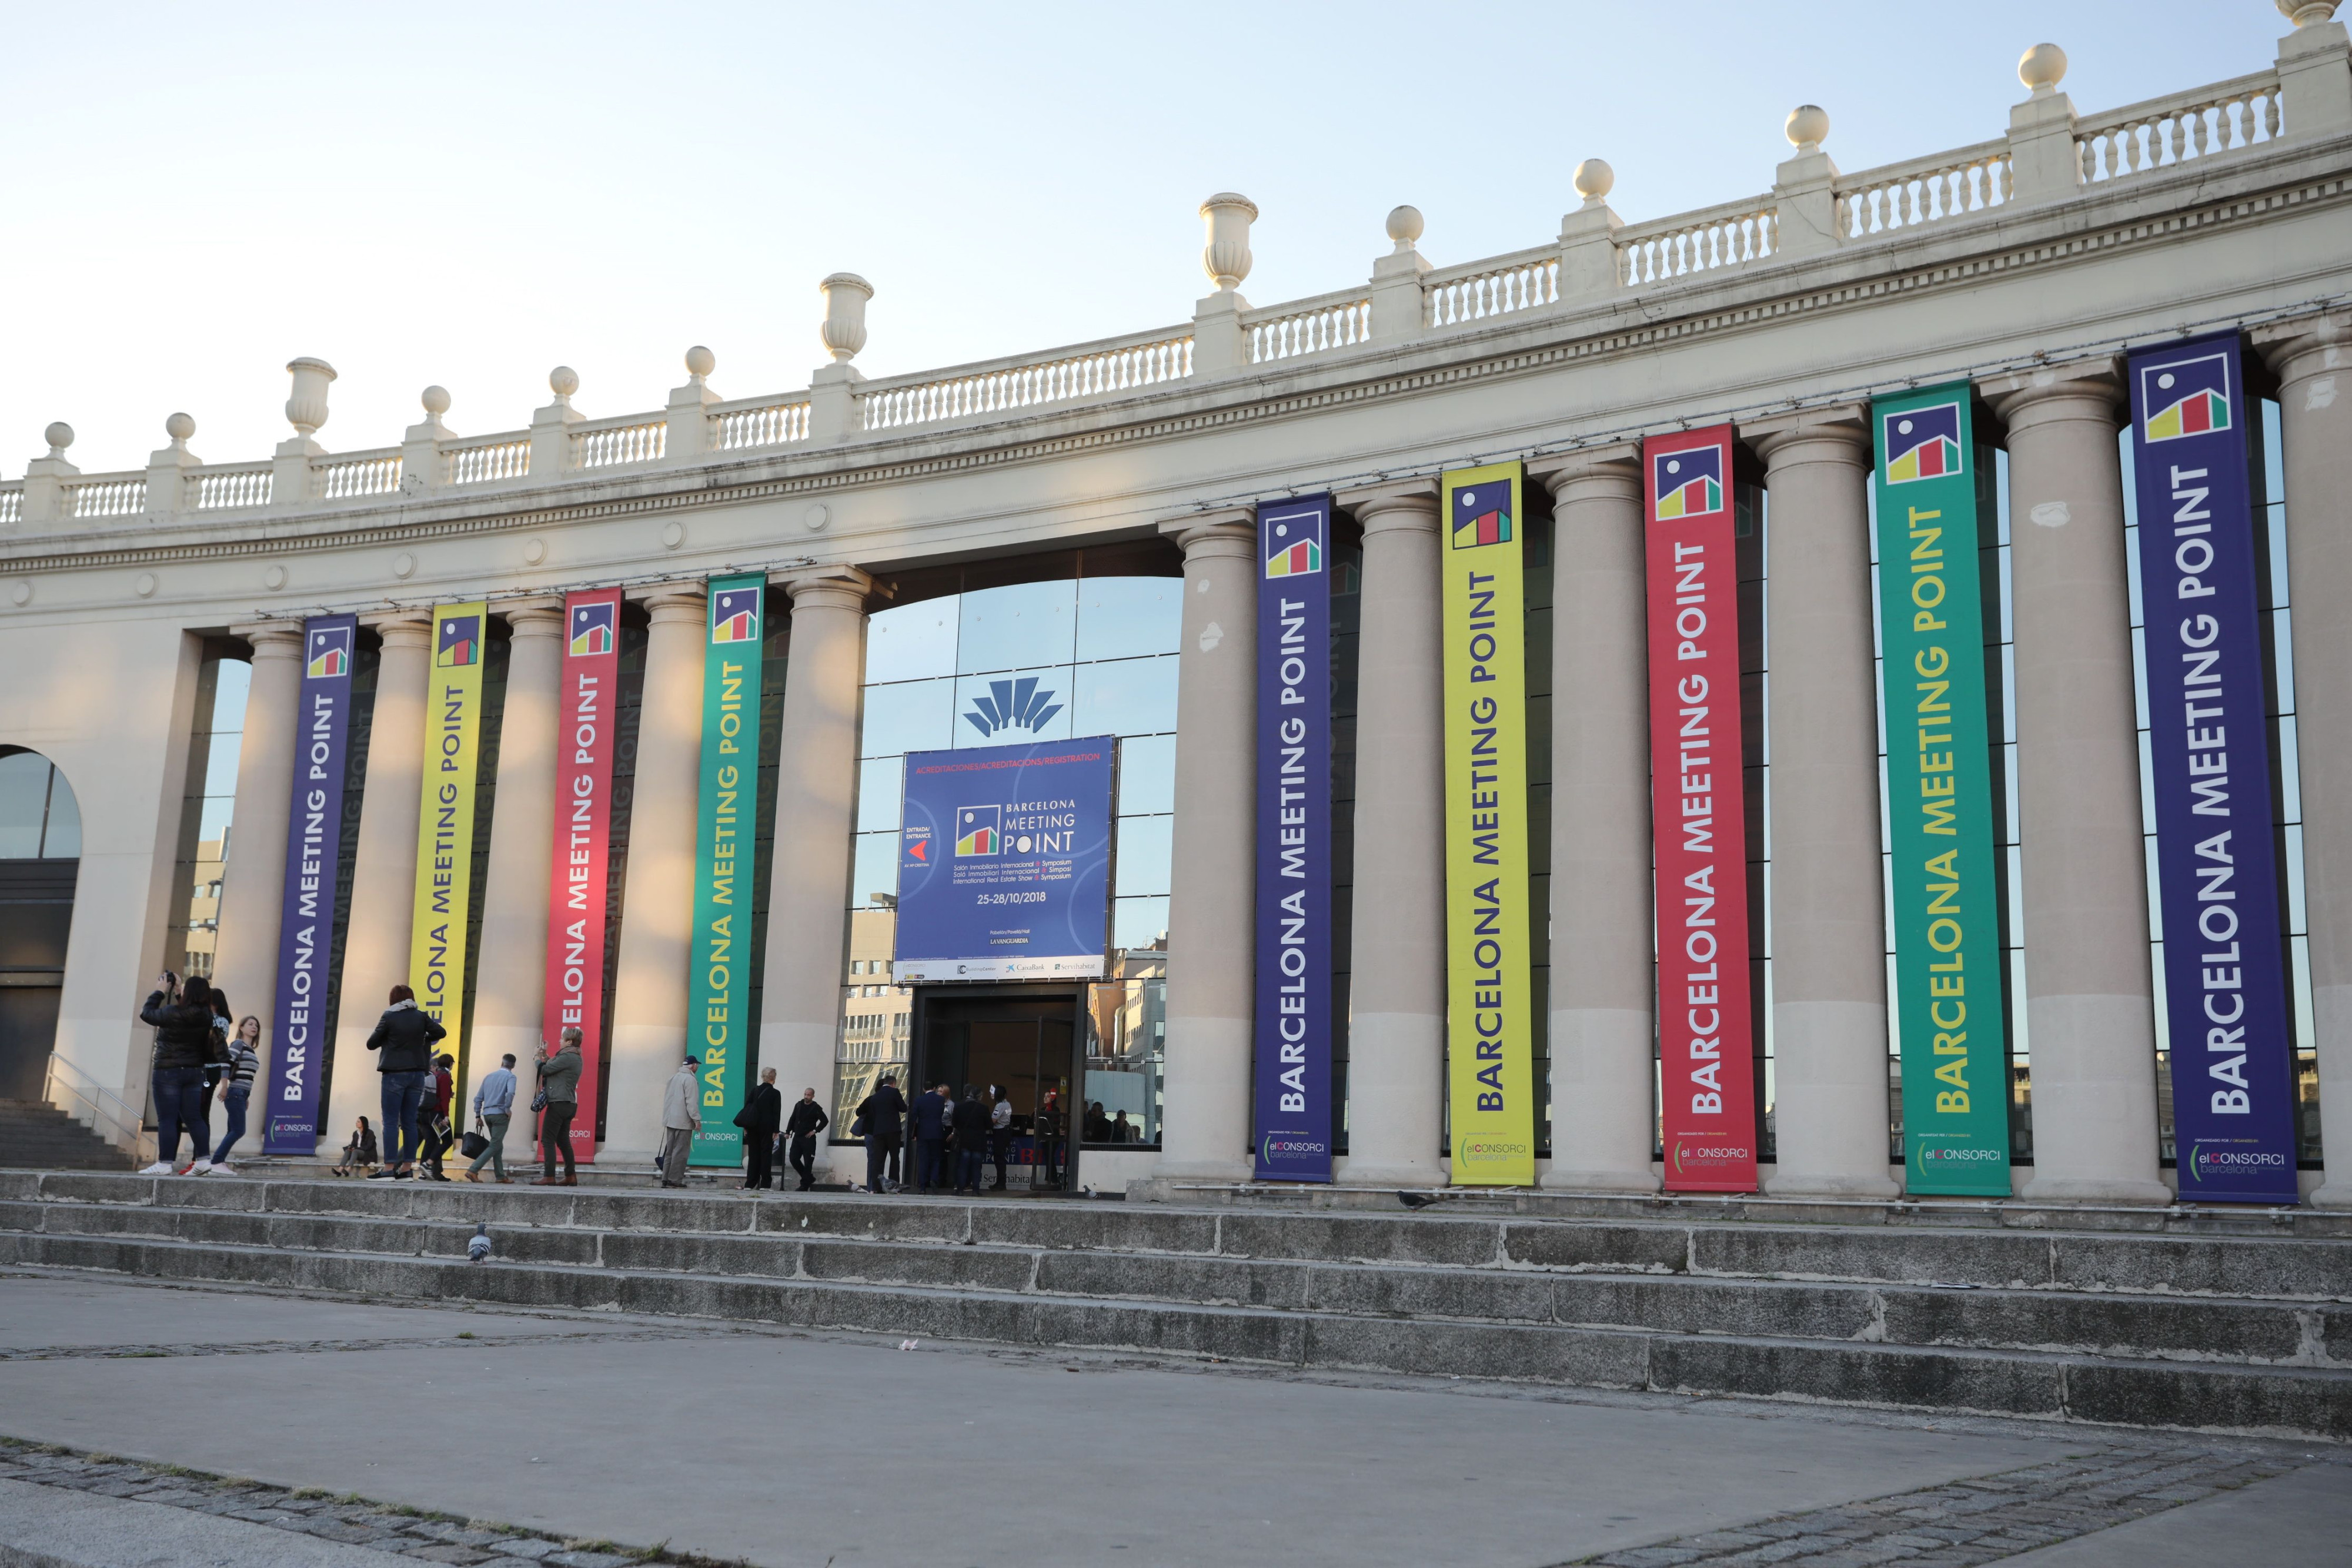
2224 959
1947 955
306 928
1490 999
584 821
445 817
719 981
1292 1119
1698 817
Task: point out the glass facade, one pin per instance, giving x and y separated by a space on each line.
38 817
207 809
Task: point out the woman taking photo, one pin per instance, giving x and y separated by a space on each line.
184 1047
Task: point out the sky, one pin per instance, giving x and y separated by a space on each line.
469 195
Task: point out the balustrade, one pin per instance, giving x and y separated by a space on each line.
1731 234
1923 190
1312 327
486 459
230 486
616 446
1094 371
766 423
106 496
1455 296
357 474
2164 132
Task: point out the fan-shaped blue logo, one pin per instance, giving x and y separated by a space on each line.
1012 705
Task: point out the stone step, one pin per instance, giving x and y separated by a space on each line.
2315 1402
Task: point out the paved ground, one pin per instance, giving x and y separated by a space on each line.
953 1454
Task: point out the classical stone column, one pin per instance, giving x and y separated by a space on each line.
1829 913
1604 1099
510 976
384 870
2090 1021
657 897
1211 903
816 824
253 891
2314 360
1396 1025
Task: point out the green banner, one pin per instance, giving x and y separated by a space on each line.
1949 963
719 984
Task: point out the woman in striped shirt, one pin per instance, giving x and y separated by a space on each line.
236 1087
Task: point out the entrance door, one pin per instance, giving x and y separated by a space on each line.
1023 1042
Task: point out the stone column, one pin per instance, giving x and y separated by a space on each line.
510 976
1211 903
2314 360
2090 1015
384 870
1396 1024
253 891
816 825
657 896
1604 1097
1829 913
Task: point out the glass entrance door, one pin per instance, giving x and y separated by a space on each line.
1017 1046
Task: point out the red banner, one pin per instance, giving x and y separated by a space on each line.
584 821
1708 1101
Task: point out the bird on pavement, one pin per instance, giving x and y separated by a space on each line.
1415 1199
478 1250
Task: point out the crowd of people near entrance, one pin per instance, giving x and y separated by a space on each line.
950 1140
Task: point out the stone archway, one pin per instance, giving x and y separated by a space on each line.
40 862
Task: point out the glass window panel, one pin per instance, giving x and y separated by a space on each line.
1013 708
64 840
1127 697
879 781
1138 922
230 689
914 715
1146 774
912 641
1145 847
1121 617
214 818
875 869
23 795
220 759
1017 626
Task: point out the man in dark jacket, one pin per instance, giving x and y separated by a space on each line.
403 1042
763 1112
883 1114
808 1119
183 1045
972 1118
931 1119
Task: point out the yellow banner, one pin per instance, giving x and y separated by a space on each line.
445 817
1490 1000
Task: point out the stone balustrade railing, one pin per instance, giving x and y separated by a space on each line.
2050 154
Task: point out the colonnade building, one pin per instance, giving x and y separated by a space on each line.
1067 545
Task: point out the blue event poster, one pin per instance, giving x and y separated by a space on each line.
2209 743
1005 861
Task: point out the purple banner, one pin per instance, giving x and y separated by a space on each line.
2216 868
306 931
1291 1122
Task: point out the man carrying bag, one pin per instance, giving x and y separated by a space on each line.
763 1109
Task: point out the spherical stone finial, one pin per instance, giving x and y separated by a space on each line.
2307 12
1594 179
1808 127
435 401
1405 227
564 381
179 427
60 436
701 361
2043 68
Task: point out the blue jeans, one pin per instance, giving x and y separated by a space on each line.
969 1162
402 1093
234 1102
179 1102
930 1161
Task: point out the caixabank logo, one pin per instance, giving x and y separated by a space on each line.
2219 1160
1012 705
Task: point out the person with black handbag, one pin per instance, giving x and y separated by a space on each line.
493 1110
763 1113
558 1098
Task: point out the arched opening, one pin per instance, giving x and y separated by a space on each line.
40 860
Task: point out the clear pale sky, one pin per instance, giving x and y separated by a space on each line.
472 195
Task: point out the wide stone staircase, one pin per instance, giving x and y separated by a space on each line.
2157 1327
34 1132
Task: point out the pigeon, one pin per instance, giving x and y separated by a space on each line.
1415 1199
478 1250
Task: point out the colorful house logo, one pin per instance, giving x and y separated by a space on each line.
593 629
977 831
460 642
331 653
1012 705
1293 543
1920 442
735 615
1482 515
1688 483
2186 397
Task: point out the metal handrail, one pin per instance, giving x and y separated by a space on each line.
100 1109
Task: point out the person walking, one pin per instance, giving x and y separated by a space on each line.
183 1047
1048 1127
214 1069
433 1117
559 1085
762 1116
244 1066
402 1042
493 1111
1000 1128
972 1133
881 1116
929 1116
808 1119
681 1119
359 1151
